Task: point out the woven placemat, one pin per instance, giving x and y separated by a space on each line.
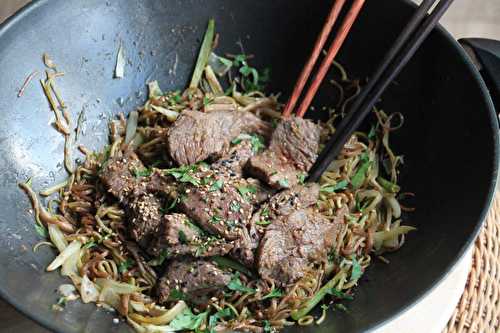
479 307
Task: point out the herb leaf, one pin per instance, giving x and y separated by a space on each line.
284 182
164 254
337 187
235 206
274 293
142 172
236 284
357 271
359 177
186 320
245 190
176 295
267 326
182 237
216 186
184 174
125 265
263 222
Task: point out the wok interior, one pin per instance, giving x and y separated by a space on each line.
448 138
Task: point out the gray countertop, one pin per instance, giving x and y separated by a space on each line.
466 18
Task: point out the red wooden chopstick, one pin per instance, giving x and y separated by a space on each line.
327 61
320 42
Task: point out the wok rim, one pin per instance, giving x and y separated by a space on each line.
47 324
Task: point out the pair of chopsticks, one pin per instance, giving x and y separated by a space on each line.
406 44
327 61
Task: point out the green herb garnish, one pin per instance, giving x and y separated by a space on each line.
283 182
182 237
334 188
235 206
263 222
274 293
215 219
125 265
357 270
184 174
246 190
142 172
359 177
164 254
216 186
186 320
236 284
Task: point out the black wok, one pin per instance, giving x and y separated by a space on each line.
450 137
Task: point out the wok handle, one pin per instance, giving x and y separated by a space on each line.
485 54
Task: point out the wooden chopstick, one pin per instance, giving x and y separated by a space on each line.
330 56
318 46
410 42
325 65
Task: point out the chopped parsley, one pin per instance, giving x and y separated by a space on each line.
184 174
284 182
265 212
142 172
274 293
182 237
251 79
125 265
176 295
263 222
216 186
164 254
235 206
246 190
207 100
256 141
236 284
334 188
187 321
357 270
373 133
267 326
301 177
216 219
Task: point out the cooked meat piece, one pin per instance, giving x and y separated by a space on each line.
291 153
118 174
218 207
122 176
179 236
224 207
196 136
144 218
195 279
235 160
158 183
286 202
291 243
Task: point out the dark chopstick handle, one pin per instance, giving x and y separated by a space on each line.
318 46
337 142
408 30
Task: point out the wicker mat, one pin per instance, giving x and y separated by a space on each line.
479 308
